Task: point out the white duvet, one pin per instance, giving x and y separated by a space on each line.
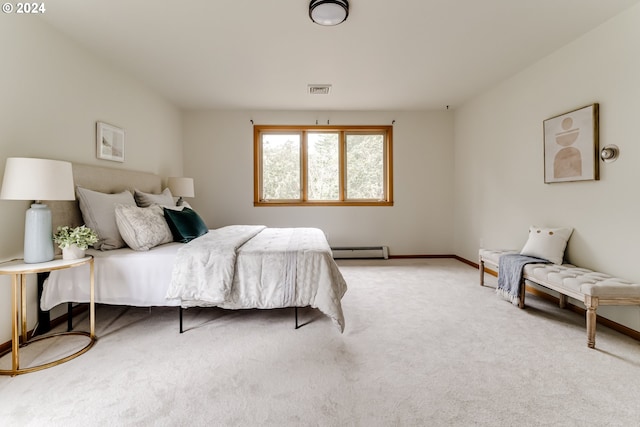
258 268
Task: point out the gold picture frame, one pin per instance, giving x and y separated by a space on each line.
109 142
571 146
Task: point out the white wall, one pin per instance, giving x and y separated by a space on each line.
52 92
499 183
487 187
219 155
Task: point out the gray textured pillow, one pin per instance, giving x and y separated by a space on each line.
98 212
144 200
142 228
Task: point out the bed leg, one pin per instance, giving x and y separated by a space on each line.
69 317
481 272
296 315
44 317
181 330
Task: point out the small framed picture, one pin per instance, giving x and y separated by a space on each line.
571 146
109 142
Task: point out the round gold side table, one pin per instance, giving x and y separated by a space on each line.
18 270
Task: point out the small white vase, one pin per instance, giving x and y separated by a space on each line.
72 252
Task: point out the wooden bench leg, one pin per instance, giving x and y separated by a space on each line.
592 305
563 301
523 291
481 263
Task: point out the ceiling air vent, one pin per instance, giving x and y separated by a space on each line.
319 89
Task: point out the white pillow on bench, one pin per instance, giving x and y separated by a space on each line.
547 243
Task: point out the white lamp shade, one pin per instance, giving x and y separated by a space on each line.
181 186
37 179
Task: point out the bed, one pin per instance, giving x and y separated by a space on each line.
233 267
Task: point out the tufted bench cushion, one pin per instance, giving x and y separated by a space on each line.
591 287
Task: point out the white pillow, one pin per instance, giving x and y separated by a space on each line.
98 212
142 228
547 243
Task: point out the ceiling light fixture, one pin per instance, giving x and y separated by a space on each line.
328 12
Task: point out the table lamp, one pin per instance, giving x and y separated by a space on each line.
37 179
181 187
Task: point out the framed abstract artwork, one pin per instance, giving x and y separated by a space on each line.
109 142
571 146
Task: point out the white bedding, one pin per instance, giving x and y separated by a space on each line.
122 277
278 267
204 269
274 268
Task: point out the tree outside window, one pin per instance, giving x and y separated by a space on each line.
322 165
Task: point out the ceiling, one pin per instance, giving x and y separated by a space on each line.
262 54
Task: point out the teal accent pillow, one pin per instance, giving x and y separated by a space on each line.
185 224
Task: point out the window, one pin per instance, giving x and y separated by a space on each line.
323 165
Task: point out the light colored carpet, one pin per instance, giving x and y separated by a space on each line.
424 345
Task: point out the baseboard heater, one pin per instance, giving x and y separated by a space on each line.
361 252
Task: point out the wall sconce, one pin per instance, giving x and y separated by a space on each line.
609 153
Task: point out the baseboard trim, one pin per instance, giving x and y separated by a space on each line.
420 256
466 261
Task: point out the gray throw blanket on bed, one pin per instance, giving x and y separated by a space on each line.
510 270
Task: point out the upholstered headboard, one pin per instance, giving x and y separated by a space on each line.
105 180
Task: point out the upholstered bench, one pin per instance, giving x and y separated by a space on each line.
591 287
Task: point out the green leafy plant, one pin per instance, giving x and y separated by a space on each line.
80 236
